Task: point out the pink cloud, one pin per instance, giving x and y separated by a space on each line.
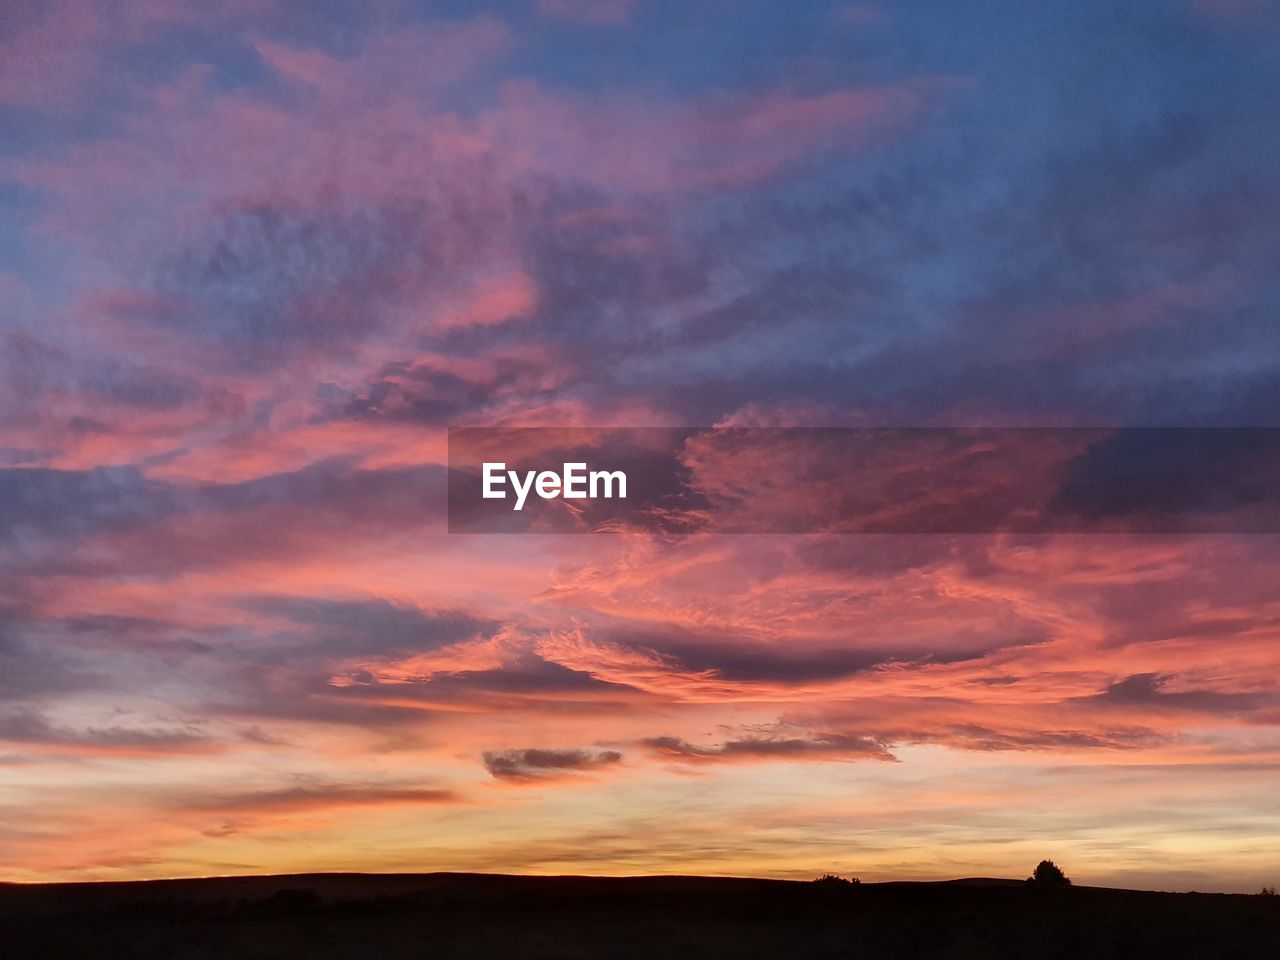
414 61
54 52
496 299
50 51
727 141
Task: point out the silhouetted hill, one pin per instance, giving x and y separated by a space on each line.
441 915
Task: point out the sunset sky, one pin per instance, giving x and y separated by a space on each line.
257 256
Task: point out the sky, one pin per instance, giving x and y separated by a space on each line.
256 257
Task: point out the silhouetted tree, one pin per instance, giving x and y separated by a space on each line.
831 881
1049 875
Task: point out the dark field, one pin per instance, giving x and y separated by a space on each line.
385 917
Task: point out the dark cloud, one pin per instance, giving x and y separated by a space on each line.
532 764
754 659
71 395
524 681
39 503
1176 478
319 796
423 394
31 727
971 736
737 658
873 555
31 671
1146 690
1113 276
275 277
141 388
373 626
161 527
832 746
169 640
234 813
31 368
603 269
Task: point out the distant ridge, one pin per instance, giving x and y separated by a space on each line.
460 916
